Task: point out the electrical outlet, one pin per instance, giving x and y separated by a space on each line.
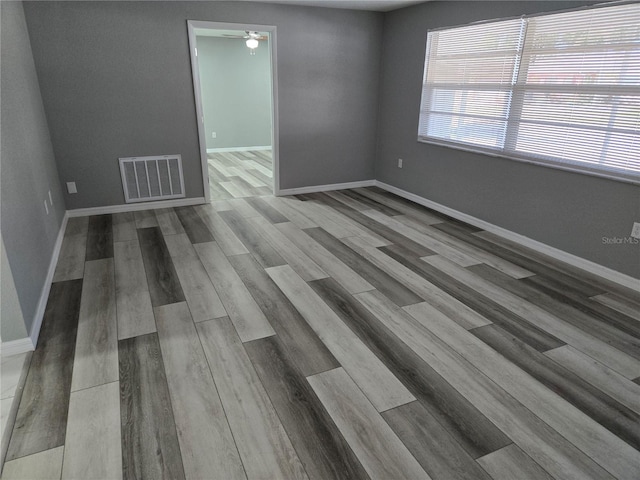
50 199
46 209
71 187
399 163
635 231
214 134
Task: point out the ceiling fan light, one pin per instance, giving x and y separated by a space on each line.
252 43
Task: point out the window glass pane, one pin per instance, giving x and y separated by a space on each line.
561 87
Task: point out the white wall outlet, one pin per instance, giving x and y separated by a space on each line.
635 231
46 209
71 187
50 199
399 163
214 134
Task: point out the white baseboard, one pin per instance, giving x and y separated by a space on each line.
132 207
15 347
239 149
574 260
29 343
325 188
46 288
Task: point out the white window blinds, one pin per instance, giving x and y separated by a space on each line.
562 89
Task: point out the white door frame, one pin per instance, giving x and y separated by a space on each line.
192 25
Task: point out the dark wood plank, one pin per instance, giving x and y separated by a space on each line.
150 446
376 227
100 237
492 311
193 224
303 345
522 258
594 309
320 446
436 451
266 210
392 212
41 421
420 208
164 285
258 246
572 276
472 430
622 421
599 328
393 289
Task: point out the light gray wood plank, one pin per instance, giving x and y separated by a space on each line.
235 189
199 292
243 311
92 446
96 356
133 302
283 205
70 264
45 465
221 205
264 446
296 258
243 208
318 216
427 290
447 251
610 382
145 218
168 221
343 274
124 227
224 236
379 450
605 353
611 300
382 388
242 173
207 445
604 447
542 443
510 462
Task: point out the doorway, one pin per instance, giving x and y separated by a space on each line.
235 88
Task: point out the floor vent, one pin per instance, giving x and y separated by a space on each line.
146 179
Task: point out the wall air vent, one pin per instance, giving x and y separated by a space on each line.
145 179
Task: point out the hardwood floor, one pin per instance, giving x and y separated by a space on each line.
348 334
241 174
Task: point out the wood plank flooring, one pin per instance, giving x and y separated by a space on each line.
349 334
242 174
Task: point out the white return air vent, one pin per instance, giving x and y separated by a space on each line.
146 179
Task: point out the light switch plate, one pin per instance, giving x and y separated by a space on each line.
71 187
635 231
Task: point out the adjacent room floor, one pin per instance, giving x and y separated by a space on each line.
240 174
348 334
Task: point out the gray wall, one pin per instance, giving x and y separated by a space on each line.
28 172
236 92
569 211
116 81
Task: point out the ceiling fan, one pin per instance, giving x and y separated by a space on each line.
252 38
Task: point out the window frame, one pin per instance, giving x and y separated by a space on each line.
509 152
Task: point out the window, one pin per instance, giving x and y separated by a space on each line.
560 89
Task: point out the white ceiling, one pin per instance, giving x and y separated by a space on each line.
375 5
